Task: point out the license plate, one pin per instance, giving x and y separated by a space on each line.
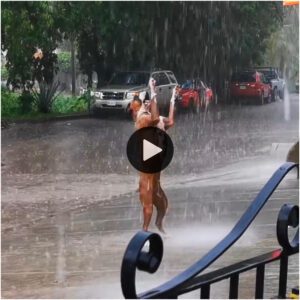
242 87
111 103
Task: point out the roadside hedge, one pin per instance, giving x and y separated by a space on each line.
14 105
10 104
69 105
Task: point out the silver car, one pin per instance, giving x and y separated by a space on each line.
125 85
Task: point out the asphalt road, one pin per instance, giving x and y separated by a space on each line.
69 206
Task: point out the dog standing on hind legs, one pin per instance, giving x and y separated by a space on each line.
145 114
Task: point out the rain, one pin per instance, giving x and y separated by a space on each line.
70 203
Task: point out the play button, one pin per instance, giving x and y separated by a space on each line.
150 150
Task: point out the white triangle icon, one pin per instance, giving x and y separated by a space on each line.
149 150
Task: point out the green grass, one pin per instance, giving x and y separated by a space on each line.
12 109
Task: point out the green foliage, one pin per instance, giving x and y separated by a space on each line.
87 98
27 26
64 61
26 102
69 105
206 39
45 97
25 106
10 103
283 46
4 73
16 106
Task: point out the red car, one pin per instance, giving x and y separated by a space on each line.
188 97
194 95
206 93
250 85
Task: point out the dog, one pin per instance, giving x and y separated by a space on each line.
293 155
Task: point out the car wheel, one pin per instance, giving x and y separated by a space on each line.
192 106
262 99
96 112
237 101
269 98
281 93
197 107
275 95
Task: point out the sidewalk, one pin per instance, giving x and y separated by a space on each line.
246 171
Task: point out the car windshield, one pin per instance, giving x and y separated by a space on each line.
187 85
243 77
130 78
269 74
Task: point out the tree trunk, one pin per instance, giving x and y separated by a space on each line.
73 66
90 80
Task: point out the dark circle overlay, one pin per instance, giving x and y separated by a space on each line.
135 150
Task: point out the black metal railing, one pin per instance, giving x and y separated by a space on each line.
136 257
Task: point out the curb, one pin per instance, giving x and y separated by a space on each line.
49 119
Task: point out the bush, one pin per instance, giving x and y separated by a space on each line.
64 61
15 105
69 105
10 103
26 101
45 98
87 97
4 73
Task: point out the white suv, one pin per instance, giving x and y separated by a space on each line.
125 85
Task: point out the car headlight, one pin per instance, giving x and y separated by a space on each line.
130 95
98 95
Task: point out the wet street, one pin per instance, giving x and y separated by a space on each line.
70 206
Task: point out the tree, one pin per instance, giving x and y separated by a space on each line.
27 26
283 45
70 17
205 39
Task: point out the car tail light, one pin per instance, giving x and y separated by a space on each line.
252 85
236 84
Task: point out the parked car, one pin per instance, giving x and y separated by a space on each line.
189 97
277 84
250 85
205 92
124 86
194 95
